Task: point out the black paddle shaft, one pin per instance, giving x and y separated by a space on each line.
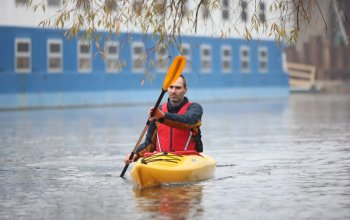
143 133
127 165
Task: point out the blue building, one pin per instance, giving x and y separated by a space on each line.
41 68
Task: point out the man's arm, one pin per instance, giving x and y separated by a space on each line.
148 139
192 116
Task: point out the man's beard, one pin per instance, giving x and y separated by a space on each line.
176 102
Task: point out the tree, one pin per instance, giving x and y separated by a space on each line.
168 20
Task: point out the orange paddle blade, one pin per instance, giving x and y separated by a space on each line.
174 71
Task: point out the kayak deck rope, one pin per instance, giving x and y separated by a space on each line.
171 158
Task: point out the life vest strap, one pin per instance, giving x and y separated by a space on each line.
188 140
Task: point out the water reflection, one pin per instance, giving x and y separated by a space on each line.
173 202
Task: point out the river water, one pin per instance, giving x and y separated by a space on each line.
276 159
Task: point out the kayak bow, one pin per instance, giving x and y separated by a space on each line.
172 168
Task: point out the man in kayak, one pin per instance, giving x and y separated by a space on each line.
174 126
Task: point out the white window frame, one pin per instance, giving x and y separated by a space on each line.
284 62
138 57
27 54
225 58
244 58
84 56
206 58
263 59
162 58
187 47
110 57
54 55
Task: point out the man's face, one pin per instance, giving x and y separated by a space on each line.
177 91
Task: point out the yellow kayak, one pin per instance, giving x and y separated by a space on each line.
171 168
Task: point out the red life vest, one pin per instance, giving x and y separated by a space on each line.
174 139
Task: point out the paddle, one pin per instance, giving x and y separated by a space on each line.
173 74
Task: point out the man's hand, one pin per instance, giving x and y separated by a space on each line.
127 161
155 114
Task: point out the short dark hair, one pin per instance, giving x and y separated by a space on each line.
184 79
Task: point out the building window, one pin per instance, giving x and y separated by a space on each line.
137 7
244 13
184 8
54 3
54 55
186 52
205 12
226 59
84 57
138 57
160 7
83 4
262 16
111 5
22 2
162 59
263 59
23 55
225 10
245 59
112 57
206 58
